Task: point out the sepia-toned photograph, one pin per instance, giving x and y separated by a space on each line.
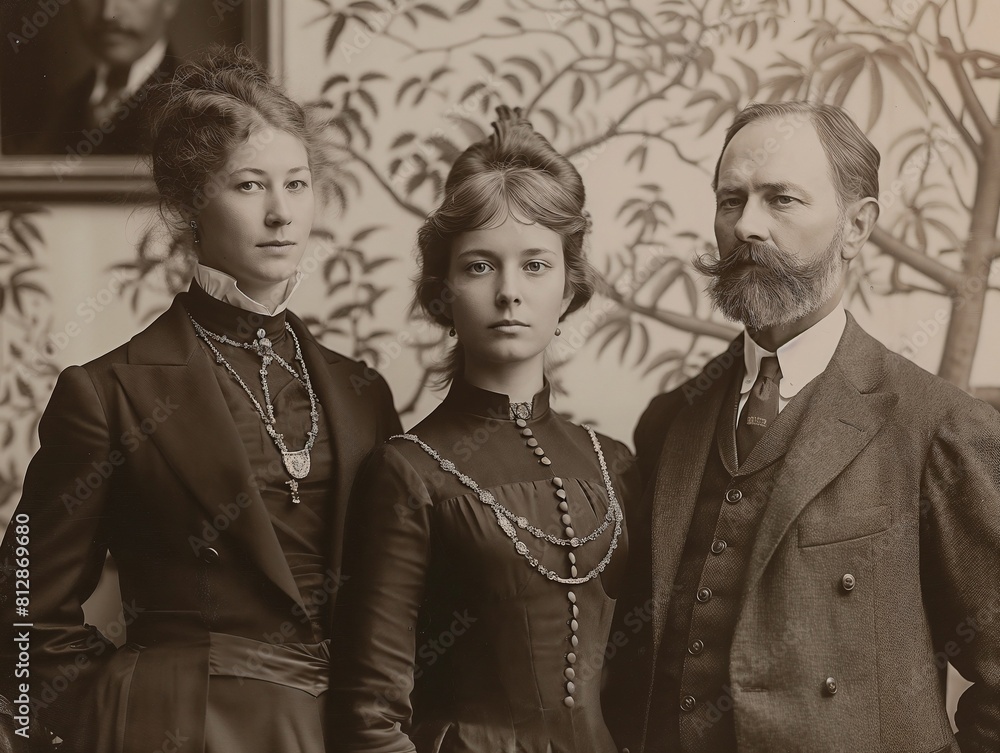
480 376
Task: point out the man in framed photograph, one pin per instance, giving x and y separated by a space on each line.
128 39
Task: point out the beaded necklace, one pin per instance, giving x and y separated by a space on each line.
510 523
298 462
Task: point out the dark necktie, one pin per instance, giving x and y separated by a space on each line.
760 410
114 89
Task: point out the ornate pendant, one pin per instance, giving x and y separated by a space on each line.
294 486
297 463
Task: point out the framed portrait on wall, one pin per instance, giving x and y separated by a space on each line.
74 75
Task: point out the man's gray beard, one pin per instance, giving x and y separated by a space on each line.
778 292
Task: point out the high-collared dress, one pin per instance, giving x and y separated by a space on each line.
155 454
450 639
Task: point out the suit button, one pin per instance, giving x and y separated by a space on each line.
733 496
848 582
688 703
704 594
696 648
719 546
830 686
210 555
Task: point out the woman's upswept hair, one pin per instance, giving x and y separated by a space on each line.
515 172
213 104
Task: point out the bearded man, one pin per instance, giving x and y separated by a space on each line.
823 524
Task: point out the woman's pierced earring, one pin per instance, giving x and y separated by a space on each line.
451 332
558 332
194 230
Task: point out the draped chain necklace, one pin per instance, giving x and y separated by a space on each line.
510 523
297 462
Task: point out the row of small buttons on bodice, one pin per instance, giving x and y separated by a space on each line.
569 673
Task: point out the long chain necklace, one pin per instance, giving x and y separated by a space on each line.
510 523
298 462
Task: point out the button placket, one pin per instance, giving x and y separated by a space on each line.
566 519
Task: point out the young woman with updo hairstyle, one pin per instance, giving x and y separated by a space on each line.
212 456
488 544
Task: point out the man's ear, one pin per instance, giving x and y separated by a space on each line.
861 218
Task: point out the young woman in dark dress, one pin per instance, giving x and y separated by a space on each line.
212 456
488 544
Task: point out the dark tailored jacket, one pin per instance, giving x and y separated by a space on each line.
893 477
66 126
140 456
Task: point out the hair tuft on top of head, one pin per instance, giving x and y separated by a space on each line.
508 119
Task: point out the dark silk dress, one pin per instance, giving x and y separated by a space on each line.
448 638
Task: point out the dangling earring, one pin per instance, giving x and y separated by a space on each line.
194 231
558 332
451 332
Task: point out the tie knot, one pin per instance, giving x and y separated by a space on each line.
769 368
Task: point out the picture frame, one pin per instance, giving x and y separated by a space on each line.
48 70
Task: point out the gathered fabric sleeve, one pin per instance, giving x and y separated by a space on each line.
60 531
386 561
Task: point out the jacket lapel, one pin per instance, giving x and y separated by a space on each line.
678 480
198 438
844 414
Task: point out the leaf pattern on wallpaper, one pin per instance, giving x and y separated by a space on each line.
656 84
650 87
27 343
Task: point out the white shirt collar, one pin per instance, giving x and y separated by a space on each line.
223 287
141 70
801 359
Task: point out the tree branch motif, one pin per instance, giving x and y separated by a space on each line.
688 48
969 97
948 278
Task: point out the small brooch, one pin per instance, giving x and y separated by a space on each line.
520 410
